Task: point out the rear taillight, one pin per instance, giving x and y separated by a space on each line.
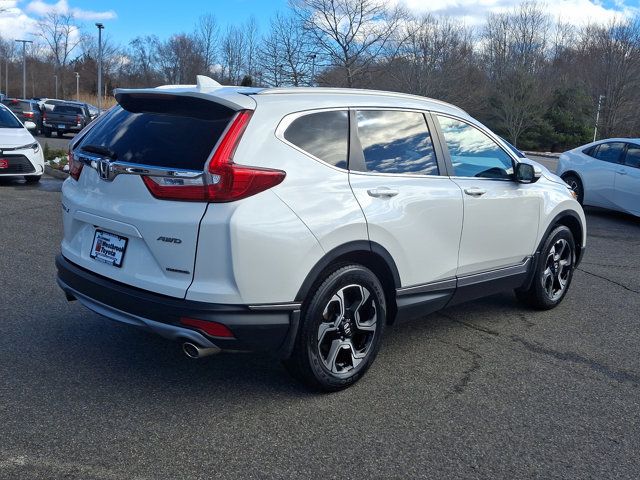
44 117
27 114
75 166
213 329
224 181
78 119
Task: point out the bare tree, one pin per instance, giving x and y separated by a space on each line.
143 59
351 34
285 53
233 55
179 59
207 36
61 35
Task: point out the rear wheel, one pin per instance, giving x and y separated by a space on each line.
553 273
576 185
340 330
47 132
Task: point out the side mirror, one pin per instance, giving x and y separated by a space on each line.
527 173
30 125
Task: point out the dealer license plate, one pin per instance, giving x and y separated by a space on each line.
108 248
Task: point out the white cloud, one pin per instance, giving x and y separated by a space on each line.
41 8
576 12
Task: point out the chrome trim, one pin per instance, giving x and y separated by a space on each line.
276 306
108 169
489 275
166 330
427 287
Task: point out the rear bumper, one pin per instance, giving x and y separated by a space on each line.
256 328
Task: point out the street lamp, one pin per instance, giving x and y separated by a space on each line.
24 66
100 28
313 56
55 78
77 86
595 130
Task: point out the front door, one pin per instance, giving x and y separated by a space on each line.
500 216
627 181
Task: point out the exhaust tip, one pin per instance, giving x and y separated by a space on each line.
190 350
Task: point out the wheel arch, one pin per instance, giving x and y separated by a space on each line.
575 173
368 254
573 222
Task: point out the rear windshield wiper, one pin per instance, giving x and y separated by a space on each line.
100 150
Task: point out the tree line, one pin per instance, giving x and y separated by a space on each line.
532 78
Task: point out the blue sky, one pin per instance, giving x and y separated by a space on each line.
126 19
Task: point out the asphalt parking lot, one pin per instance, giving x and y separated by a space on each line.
483 390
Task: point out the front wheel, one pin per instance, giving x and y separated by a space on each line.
576 185
340 330
553 273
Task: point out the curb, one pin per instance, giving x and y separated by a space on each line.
55 172
544 154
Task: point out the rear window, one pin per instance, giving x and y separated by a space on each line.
7 120
67 109
323 135
149 136
17 105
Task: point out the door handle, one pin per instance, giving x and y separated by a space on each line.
382 192
621 172
475 191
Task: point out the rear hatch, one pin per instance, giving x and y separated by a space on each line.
113 224
63 116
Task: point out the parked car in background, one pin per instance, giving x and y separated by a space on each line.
65 117
20 153
303 220
93 111
26 111
605 173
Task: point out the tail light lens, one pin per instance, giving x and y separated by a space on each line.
75 167
78 119
213 329
44 117
224 181
28 114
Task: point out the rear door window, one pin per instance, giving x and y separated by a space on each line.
324 135
610 152
178 133
396 142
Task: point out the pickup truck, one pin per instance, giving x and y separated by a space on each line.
65 118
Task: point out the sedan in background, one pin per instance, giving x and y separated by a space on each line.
20 154
605 173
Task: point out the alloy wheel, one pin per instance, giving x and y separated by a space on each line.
558 264
348 326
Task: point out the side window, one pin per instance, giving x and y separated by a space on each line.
474 154
396 142
325 135
632 158
591 151
609 152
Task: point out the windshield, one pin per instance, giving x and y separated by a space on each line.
7 120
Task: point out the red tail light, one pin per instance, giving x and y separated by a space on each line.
78 119
213 329
44 117
75 167
28 114
226 181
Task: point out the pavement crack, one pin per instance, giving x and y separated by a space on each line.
604 265
608 280
464 380
621 376
470 325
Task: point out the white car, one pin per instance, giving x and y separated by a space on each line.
20 153
605 173
303 221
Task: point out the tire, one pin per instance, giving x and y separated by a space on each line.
333 348
47 133
554 271
576 185
32 178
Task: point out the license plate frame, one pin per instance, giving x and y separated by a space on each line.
108 247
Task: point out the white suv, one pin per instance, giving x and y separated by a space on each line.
303 221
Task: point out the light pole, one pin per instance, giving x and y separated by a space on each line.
24 66
595 130
55 78
100 27
313 56
77 86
